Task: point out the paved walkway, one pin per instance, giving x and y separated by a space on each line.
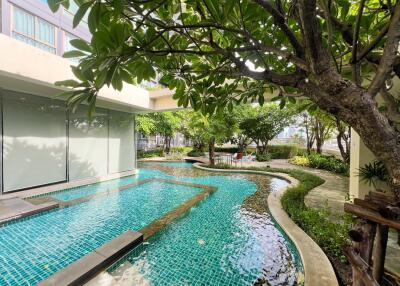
332 193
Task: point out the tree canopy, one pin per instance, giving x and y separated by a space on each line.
217 53
268 121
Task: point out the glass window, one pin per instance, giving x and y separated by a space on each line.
68 47
33 30
72 9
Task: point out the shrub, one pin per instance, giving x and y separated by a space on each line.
329 163
195 153
330 236
231 150
300 160
150 153
324 162
181 149
263 158
282 151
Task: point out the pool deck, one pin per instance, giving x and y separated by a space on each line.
16 208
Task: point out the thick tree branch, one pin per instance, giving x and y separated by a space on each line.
355 65
280 21
317 56
389 53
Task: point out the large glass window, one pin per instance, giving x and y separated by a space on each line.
33 30
72 9
67 45
34 141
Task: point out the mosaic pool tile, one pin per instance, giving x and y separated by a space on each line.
222 241
33 249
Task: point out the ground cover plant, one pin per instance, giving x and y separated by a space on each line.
320 161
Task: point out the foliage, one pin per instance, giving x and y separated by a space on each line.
263 157
267 122
324 162
300 161
239 115
332 237
218 53
372 172
181 149
145 124
195 153
141 154
208 130
282 151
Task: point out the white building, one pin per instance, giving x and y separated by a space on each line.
42 143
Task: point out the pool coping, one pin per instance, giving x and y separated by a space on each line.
317 268
89 265
95 262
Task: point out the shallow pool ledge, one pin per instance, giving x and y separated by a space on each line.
317 267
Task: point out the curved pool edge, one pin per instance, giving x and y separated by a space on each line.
317 268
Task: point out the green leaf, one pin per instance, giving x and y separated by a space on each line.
74 54
81 13
68 82
81 45
261 100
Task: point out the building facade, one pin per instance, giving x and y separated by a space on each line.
42 142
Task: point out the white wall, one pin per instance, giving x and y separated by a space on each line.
34 146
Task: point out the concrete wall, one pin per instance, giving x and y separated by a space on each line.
360 156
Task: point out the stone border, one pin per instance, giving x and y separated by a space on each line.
317 267
89 265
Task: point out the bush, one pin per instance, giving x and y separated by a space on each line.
329 163
282 151
181 149
332 237
150 153
231 150
324 162
300 160
195 153
263 158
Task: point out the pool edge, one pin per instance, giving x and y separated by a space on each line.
317 267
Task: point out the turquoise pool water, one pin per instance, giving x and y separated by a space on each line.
32 249
182 164
218 243
221 241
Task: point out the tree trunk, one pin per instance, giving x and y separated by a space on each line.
319 144
167 144
211 151
356 107
341 138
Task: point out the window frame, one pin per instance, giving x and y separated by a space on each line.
35 28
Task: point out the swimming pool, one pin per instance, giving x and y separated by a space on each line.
228 239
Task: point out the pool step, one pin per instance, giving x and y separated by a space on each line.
91 264
103 279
